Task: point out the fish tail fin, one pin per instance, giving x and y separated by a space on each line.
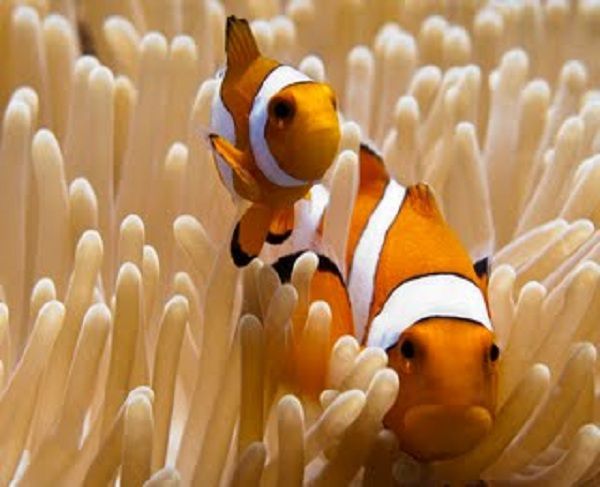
240 45
372 167
281 226
250 234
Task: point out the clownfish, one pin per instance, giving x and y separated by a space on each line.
413 290
274 133
306 368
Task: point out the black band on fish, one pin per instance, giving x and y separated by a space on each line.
278 238
285 265
240 258
482 267
370 149
455 318
327 265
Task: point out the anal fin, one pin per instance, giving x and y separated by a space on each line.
281 226
250 234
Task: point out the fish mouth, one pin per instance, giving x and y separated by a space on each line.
437 432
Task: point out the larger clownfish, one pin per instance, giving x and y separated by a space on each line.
413 290
275 132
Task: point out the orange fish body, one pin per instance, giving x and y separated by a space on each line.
414 292
306 369
274 133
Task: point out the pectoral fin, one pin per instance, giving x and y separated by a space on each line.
235 158
250 234
281 226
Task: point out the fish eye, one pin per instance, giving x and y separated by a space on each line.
407 349
494 352
282 109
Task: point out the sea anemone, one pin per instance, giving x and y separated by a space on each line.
131 348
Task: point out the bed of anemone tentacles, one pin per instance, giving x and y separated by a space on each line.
131 348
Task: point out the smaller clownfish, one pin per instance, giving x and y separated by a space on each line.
274 133
413 290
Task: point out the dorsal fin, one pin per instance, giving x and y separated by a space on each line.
240 44
421 198
372 167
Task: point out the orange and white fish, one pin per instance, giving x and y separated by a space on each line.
414 291
307 367
274 133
